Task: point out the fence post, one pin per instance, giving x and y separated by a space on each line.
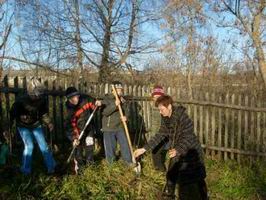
6 85
61 103
101 90
16 86
106 88
130 90
246 136
264 132
195 119
24 82
232 128
259 139
220 128
46 85
252 127
239 128
125 90
201 124
213 125
54 112
145 105
226 124
206 132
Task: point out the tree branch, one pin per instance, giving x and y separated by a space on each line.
49 68
7 32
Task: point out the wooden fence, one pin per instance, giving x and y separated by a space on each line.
229 126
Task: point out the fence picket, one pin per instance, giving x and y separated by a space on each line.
226 124
206 127
239 126
213 125
232 128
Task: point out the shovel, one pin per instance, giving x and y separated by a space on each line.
81 134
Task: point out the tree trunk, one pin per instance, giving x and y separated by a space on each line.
78 43
104 71
189 83
254 33
260 57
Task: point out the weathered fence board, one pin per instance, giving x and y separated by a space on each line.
213 126
229 126
239 133
220 129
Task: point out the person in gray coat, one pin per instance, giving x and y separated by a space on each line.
112 127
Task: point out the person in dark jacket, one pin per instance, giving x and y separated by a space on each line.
112 127
30 112
158 155
79 108
186 166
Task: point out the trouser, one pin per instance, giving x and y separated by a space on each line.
27 136
192 190
100 143
159 157
84 151
110 141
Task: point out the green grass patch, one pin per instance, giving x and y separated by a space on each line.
226 180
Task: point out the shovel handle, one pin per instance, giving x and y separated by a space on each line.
81 134
71 154
125 124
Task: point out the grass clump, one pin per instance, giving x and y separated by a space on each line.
226 180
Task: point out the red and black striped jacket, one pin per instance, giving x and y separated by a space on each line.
77 115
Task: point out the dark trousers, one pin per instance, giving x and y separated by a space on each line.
159 156
84 154
84 151
192 190
110 141
158 160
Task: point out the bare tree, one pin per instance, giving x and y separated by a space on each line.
250 21
183 20
117 21
6 27
102 34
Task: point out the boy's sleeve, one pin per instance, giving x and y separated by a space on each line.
76 116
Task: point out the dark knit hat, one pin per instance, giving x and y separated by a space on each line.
117 84
71 91
157 90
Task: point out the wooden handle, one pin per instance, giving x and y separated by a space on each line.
124 124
